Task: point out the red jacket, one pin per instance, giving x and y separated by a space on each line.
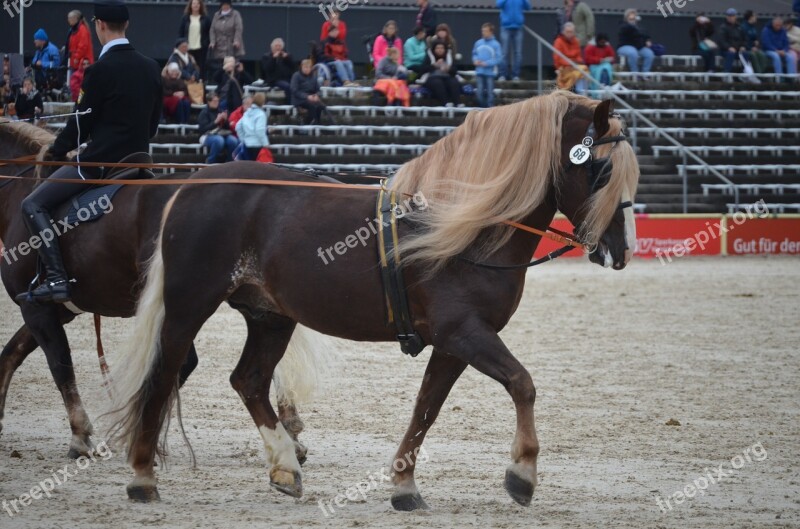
336 49
326 27
572 49
75 82
80 46
595 54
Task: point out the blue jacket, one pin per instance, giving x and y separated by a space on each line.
491 48
49 56
774 40
512 13
252 128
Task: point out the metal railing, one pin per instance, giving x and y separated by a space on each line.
637 116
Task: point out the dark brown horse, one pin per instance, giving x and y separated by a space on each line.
105 258
261 248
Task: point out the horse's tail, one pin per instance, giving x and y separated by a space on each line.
304 367
132 372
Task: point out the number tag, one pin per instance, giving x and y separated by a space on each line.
579 154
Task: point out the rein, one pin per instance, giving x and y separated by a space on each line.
568 240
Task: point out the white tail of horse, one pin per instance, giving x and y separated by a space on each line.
307 361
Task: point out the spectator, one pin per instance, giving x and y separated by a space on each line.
384 41
441 75
79 42
305 93
252 128
569 77
759 59
176 102
76 80
336 49
215 131
277 67
702 43
443 34
237 113
776 45
732 40
28 103
580 14
335 21
426 17
184 60
46 57
390 79
196 29
231 81
512 18
634 43
599 58
486 56
793 34
225 36
415 50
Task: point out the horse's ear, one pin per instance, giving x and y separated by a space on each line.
601 113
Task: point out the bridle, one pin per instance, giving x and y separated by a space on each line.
598 174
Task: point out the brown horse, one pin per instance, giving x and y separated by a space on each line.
106 258
261 248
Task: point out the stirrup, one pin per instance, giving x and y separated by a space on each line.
49 291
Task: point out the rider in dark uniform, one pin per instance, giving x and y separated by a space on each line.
123 92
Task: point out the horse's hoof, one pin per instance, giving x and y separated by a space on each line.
286 481
408 501
143 493
74 453
519 488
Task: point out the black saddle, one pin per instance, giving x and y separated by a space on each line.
132 173
96 201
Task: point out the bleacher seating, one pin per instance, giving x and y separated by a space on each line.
747 132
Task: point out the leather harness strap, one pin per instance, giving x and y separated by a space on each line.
411 343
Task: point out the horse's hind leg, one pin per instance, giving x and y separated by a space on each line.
442 372
267 339
291 421
188 367
153 406
46 326
14 353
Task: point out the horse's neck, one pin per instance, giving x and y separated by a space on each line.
522 245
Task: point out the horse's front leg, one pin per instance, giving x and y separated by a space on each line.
442 372
14 353
479 345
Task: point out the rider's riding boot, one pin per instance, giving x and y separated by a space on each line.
56 287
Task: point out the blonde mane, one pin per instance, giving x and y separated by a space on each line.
499 165
27 136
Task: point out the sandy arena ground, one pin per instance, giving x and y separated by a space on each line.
711 343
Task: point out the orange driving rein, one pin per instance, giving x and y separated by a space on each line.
551 233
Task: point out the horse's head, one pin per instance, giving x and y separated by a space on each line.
598 183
